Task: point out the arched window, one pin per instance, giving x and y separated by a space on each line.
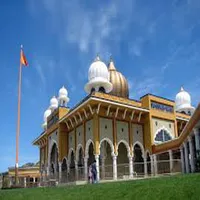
92 90
162 136
183 112
102 89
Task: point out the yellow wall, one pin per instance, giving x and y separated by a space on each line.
32 172
147 133
62 141
96 133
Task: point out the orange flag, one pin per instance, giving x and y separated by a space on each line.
23 60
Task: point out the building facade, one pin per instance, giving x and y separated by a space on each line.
125 137
28 174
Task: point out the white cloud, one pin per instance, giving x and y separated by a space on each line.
172 57
89 29
27 83
40 72
136 46
193 88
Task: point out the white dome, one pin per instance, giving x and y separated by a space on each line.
46 114
63 92
98 76
98 69
63 96
183 100
53 103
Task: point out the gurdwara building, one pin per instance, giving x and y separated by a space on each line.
127 138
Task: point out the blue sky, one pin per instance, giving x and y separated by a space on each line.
155 44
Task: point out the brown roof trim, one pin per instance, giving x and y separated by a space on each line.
156 96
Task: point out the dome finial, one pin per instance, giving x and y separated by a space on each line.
97 57
182 89
111 66
111 59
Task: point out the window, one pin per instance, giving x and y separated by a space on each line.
102 89
106 127
137 132
156 123
122 130
92 90
79 133
31 179
89 129
170 125
162 136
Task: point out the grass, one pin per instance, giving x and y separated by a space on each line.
176 187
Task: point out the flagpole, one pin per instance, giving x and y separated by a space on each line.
18 120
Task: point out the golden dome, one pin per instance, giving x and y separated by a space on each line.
119 82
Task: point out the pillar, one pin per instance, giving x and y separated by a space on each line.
97 166
60 171
155 164
42 174
86 167
103 167
47 171
76 170
196 134
182 160
186 157
152 164
130 166
171 160
191 155
68 167
114 167
10 181
24 181
145 166
33 179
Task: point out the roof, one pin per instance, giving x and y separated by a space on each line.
28 165
157 96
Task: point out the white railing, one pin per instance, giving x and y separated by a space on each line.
106 172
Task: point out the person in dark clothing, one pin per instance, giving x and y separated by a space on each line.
94 172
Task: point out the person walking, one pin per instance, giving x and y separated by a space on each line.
94 172
90 174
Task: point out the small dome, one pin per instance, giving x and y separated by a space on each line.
119 82
98 69
47 113
183 99
53 103
63 92
98 77
63 95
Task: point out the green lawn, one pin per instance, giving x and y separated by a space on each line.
176 187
